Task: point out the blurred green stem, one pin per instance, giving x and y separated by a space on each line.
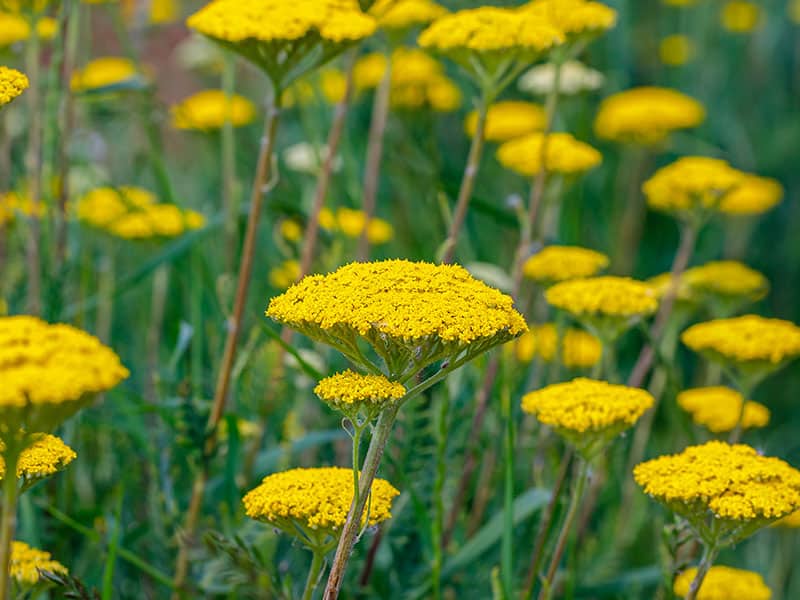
437 522
745 388
230 202
14 444
507 545
33 166
710 552
314 572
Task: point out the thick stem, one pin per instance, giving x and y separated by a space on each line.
709 555
314 573
561 543
33 165
467 182
377 130
352 525
234 327
8 518
680 262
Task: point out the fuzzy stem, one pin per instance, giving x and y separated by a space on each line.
33 165
314 573
229 197
709 555
8 518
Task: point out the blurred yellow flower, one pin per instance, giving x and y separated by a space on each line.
676 50
13 203
728 278
754 195
507 120
605 295
403 14
351 223
284 275
559 263
211 109
103 72
574 17
717 408
579 348
564 154
27 564
15 28
291 230
793 9
739 16
724 583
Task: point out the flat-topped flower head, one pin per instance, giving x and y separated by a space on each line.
411 313
212 109
578 19
753 345
46 456
753 196
405 14
726 281
354 393
646 115
508 119
15 28
104 72
692 185
560 263
723 583
579 348
717 408
49 372
564 155
27 564
12 84
315 500
607 305
280 35
588 413
725 491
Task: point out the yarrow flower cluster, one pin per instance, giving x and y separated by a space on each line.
134 213
404 14
717 408
15 28
564 154
579 348
754 195
104 72
732 482
212 109
12 84
351 392
646 115
575 18
507 120
46 456
315 499
724 583
726 278
588 413
560 263
27 564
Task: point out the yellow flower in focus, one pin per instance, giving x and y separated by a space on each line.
12 84
351 393
753 196
559 263
730 483
727 278
576 18
291 230
717 408
507 120
690 185
746 339
676 50
210 109
27 563
281 277
46 455
739 16
606 295
14 28
646 115
316 499
579 349
403 14
724 583
103 72
564 154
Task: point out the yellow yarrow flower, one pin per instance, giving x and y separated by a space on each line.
27 563
316 500
726 278
732 485
211 109
404 14
691 185
792 520
661 283
12 84
507 120
576 18
353 393
676 50
717 408
560 263
739 16
646 115
579 348
564 154
291 230
351 223
586 412
15 28
46 456
104 72
14 203
284 275
724 583
754 195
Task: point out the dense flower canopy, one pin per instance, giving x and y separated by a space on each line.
12 84
724 583
579 348
564 154
27 564
47 455
609 295
718 408
560 263
646 115
507 120
211 109
746 338
734 482
103 72
318 499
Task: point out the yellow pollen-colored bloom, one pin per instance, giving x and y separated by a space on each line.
660 284
646 115
103 72
726 278
211 109
745 339
579 348
676 50
739 16
754 195
560 263
348 390
575 17
606 295
27 563
724 583
351 222
317 499
14 28
284 275
47 455
564 154
507 120
717 408
403 14
733 482
291 230
14 203
12 84
691 183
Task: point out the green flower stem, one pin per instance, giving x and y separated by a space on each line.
230 198
234 329
358 431
710 552
437 523
8 518
314 572
746 390
561 543
507 544
33 166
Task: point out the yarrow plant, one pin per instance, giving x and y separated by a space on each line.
507 120
27 566
564 155
579 349
553 264
210 110
720 409
724 583
12 84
